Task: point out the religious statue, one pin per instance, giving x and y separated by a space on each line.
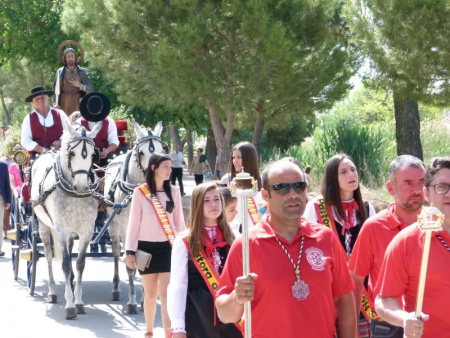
71 81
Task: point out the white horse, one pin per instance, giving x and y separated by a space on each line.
61 186
123 174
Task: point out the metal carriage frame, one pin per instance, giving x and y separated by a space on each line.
24 233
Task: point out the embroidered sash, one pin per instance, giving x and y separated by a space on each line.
323 214
252 209
160 212
206 269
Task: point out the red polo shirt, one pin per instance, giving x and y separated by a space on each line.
399 276
371 244
275 312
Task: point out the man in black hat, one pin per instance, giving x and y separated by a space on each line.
71 83
44 126
94 109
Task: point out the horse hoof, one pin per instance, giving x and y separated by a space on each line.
115 295
71 313
52 299
80 309
132 309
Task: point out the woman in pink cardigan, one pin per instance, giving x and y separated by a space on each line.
156 217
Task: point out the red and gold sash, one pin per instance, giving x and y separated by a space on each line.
160 212
323 214
206 269
252 209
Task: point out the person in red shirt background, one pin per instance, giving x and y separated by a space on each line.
406 182
400 272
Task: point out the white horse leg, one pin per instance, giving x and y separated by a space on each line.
67 269
132 304
44 233
81 263
116 279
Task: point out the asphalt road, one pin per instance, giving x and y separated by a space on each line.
23 315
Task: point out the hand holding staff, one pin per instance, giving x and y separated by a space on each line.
243 186
430 219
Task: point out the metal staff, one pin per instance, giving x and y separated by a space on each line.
430 219
243 186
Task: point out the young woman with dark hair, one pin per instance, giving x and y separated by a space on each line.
245 157
156 217
340 206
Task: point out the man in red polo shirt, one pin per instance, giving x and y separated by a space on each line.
44 126
299 283
400 272
406 182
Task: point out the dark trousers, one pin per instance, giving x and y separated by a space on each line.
177 174
385 330
198 179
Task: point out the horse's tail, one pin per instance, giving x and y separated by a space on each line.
57 253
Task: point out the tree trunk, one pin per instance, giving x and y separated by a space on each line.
222 135
190 146
5 109
407 127
174 137
211 149
258 132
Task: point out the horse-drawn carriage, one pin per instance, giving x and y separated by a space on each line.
59 204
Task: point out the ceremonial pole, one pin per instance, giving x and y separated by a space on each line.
244 186
430 219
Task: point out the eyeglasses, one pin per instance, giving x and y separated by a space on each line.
284 188
441 188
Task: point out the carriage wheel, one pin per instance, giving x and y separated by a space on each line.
16 250
15 237
32 244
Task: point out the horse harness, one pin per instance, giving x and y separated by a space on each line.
124 186
61 182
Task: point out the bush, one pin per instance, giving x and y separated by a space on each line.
371 147
434 134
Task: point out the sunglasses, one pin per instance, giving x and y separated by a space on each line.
284 188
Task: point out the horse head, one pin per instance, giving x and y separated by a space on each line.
76 156
148 142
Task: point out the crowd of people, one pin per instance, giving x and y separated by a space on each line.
329 266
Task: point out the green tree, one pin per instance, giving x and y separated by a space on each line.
255 63
30 29
407 43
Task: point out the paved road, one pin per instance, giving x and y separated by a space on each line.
23 315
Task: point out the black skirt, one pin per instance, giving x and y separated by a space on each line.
201 317
161 255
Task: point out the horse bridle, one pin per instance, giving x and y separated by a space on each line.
151 147
86 140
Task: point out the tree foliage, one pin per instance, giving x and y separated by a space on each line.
30 29
408 43
244 61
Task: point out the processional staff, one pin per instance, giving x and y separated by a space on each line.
429 220
244 186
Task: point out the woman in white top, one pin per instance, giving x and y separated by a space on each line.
198 258
340 206
340 201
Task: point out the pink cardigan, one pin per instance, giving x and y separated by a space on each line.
144 225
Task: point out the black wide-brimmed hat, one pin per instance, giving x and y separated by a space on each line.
38 91
95 106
